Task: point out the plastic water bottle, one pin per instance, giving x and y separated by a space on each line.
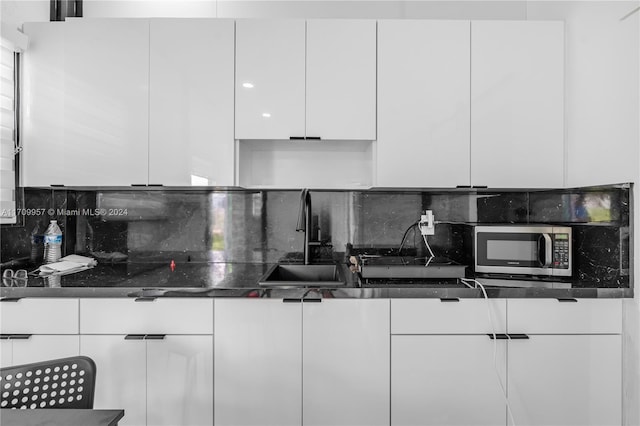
52 243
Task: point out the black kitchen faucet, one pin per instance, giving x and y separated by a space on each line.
304 222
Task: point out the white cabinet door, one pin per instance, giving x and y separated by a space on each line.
43 116
180 381
195 316
6 353
566 380
270 79
191 102
341 79
106 96
257 362
423 103
436 316
39 315
447 380
44 347
346 362
552 316
517 104
120 374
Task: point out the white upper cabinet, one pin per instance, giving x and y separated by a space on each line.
423 103
297 79
270 79
86 87
43 138
517 104
341 79
106 103
191 77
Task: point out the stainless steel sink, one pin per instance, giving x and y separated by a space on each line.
303 276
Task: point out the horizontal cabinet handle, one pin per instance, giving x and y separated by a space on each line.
313 138
463 186
57 185
480 186
296 138
155 336
449 299
155 184
567 299
14 336
134 337
20 336
509 336
312 300
290 300
518 336
145 299
10 299
138 184
499 336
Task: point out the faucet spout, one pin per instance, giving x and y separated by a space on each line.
304 222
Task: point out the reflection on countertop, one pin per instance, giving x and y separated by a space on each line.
225 279
199 275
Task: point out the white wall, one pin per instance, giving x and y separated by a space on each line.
13 13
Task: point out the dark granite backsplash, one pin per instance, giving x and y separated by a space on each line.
252 226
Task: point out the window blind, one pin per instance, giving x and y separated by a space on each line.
7 133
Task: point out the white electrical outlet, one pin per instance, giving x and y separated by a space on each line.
427 223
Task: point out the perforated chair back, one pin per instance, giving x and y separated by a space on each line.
59 383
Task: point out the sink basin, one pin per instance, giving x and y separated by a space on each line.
303 276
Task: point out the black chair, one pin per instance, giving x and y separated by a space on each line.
58 383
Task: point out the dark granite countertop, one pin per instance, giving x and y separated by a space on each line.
202 279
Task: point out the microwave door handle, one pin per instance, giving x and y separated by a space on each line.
547 250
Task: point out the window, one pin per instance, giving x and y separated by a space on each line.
8 134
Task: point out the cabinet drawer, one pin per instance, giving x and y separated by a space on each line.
159 316
551 316
435 316
39 316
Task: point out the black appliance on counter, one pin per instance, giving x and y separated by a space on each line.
385 266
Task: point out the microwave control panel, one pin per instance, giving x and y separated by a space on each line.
561 247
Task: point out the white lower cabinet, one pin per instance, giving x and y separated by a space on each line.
569 370
335 361
159 379
26 349
258 362
447 380
561 364
180 381
279 363
44 347
566 380
38 329
445 369
166 381
345 362
6 353
120 374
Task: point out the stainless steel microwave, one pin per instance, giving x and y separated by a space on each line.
523 249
